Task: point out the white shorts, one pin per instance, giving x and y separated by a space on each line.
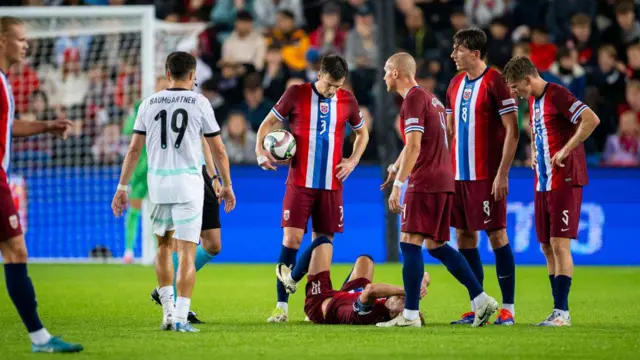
184 218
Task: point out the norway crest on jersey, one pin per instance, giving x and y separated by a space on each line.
324 108
466 94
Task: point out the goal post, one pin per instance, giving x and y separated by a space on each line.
66 186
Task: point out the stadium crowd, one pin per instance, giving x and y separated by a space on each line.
253 49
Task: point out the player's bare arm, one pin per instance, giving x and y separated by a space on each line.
265 159
120 201
377 291
534 154
450 130
23 128
407 162
392 171
211 167
501 182
221 160
588 122
346 166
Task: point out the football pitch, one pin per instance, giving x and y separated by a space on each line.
107 309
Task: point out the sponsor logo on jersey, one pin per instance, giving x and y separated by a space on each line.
324 108
467 93
411 121
508 102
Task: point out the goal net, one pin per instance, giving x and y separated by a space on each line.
90 65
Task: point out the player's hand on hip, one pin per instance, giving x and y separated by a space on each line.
265 159
559 157
345 168
500 187
226 194
119 203
394 200
391 177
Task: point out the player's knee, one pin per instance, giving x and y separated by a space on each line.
214 248
547 250
467 239
15 251
561 247
498 238
292 240
365 258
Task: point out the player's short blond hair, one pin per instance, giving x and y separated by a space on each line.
404 63
6 22
518 68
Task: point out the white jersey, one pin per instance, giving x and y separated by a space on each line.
174 121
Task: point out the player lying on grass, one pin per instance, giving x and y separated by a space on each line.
358 302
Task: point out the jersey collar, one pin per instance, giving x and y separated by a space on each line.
177 89
481 75
412 88
313 87
544 91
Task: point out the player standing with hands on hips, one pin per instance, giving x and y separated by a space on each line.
482 123
172 123
318 114
13 50
560 124
429 197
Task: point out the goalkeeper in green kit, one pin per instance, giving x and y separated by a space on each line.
138 182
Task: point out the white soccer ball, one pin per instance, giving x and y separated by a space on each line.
281 144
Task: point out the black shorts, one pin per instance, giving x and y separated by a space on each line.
211 207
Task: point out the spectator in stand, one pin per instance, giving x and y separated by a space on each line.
267 11
230 85
128 83
100 91
362 54
418 40
606 83
76 149
275 74
633 57
39 109
583 40
437 12
632 97
293 42
24 81
543 51
218 103
499 47
560 13
310 73
203 70
329 37
625 31
522 49
239 139
70 84
566 72
254 107
294 81
528 14
482 12
245 45
350 8
109 147
458 21
623 148
224 13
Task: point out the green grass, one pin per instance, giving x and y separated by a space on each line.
107 309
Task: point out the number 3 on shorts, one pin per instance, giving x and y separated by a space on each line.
341 216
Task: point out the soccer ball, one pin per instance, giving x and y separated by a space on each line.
281 144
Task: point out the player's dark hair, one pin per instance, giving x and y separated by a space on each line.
244 15
335 66
562 53
473 39
518 68
179 64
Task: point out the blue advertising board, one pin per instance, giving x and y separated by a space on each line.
69 214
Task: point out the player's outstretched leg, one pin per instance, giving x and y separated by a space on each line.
290 277
485 305
23 296
563 263
506 272
185 282
412 274
288 252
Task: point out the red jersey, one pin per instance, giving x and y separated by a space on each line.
7 113
318 125
340 310
477 106
422 111
554 118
